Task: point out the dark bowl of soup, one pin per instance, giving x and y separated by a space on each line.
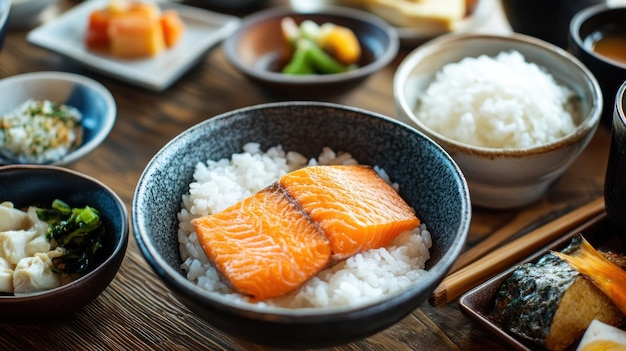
598 39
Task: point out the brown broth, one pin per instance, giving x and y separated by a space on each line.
611 45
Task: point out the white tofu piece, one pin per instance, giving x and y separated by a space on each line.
35 273
6 276
38 244
13 219
13 244
6 280
40 226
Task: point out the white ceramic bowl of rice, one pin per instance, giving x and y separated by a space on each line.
231 156
35 111
513 111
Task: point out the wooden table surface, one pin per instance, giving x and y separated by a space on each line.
137 312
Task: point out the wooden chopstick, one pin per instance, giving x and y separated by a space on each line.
506 232
457 283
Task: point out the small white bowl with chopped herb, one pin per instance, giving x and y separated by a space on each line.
52 117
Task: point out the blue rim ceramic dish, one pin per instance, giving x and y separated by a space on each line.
91 98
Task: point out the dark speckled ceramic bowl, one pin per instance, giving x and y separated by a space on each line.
429 181
27 185
256 50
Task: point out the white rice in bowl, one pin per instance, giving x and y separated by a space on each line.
500 102
360 279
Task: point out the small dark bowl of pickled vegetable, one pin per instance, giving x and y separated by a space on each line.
86 218
260 51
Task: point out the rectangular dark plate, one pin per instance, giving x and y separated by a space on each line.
478 303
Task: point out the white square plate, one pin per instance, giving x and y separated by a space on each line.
203 29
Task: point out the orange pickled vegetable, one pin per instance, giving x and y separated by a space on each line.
341 43
315 49
173 27
133 29
97 36
135 35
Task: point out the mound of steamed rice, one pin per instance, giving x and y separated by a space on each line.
498 102
360 279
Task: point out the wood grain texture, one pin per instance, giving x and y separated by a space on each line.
137 312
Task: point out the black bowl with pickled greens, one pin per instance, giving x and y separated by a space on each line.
40 186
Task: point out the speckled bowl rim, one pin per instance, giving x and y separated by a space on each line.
174 278
588 124
583 16
230 46
100 134
120 245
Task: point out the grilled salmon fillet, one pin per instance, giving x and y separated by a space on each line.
274 241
